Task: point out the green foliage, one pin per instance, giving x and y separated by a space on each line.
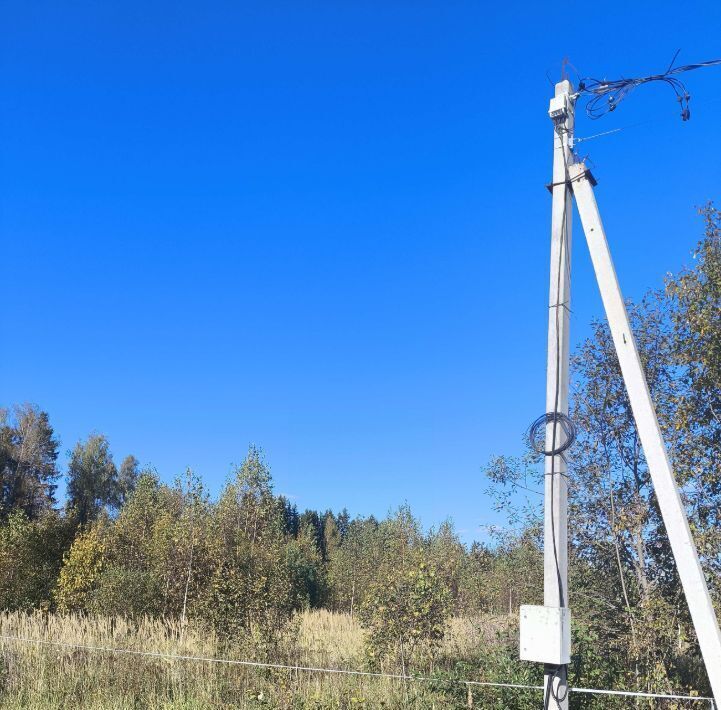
128 476
28 454
30 557
250 590
405 611
81 570
92 479
695 294
140 548
306 570
353 565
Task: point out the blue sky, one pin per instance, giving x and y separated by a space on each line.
323 227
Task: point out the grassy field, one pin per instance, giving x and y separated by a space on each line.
48 676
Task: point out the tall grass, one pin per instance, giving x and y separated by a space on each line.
47 676
43 676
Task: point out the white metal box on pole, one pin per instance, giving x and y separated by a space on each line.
545 634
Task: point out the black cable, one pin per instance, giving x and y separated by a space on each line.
605 95
536 433
555 672
561 672
548 692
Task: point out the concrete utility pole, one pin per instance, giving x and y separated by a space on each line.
555 549
546 630
644 413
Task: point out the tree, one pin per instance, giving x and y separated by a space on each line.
405 611
291 519
127 478
249 590
143 555
342 522
92 479
81 570
353 564
331 536
307 571
695 294
474 595
447 553
31 553
614 495
28 455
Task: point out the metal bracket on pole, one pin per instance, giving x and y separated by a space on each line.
659 465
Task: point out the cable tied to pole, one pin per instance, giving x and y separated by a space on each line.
537 433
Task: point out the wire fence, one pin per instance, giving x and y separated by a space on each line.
709 702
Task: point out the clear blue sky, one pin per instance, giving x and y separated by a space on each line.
322 227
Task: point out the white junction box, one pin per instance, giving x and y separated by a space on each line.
558 108
546 634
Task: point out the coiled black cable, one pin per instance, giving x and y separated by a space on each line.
537 433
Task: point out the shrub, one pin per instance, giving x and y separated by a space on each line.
405 612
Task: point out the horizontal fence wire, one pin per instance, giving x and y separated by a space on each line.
343 671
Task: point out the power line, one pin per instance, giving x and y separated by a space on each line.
341 671
608 133
605 95
259 664
649 122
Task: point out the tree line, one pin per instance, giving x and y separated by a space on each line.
126 543
244 562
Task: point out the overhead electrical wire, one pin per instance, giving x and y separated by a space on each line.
606 94
4 638
649 122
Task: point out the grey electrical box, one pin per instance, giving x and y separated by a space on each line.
545 634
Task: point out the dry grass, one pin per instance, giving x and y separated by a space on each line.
465 635
44 676
330 640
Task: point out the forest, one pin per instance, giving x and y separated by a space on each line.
129 560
